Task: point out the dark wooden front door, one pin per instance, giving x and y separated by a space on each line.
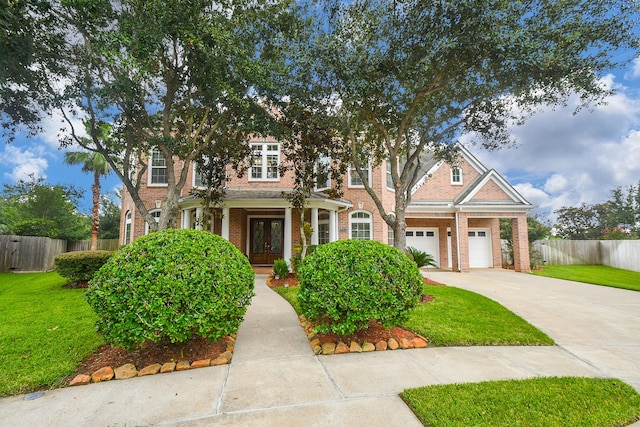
267 235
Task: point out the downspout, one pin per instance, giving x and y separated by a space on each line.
458 238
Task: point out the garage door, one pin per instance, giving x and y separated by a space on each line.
426 240
480 255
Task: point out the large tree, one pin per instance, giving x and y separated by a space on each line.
410 76
35 208
182 77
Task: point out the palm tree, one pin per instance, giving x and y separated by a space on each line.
97 164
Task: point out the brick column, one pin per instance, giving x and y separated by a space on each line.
496 247
521 260
463 241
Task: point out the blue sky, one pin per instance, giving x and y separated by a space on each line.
561 159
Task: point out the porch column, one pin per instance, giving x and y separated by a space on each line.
332 226
186 218
288 236
199 215
314 225
224 232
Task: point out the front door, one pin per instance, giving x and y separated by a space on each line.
267 235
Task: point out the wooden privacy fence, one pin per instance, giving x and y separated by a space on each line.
27 253
615 253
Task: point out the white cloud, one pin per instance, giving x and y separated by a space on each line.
23 163
54 128
635 70
564 159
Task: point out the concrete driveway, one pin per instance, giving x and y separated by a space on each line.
597 324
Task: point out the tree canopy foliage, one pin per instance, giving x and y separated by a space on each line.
409 77
34 208
618 218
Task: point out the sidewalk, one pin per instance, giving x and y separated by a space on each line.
276 380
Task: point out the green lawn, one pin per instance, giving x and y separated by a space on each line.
457 317
45 331
535 402
461 318
594 274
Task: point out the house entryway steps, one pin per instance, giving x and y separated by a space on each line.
276 380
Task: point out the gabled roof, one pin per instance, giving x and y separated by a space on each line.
466 197
431 165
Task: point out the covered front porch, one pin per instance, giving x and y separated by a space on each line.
262 224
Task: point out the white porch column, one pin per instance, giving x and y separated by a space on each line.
199 214
225 223
333 229
314 225
287 234
186 218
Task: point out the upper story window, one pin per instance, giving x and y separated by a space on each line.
323 173
354 178
158 168
265 158
360 225
456 175
389 177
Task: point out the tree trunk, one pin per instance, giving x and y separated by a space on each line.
95 214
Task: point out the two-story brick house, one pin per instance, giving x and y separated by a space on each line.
454 214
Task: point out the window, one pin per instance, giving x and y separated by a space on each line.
323 173
265 158
360 225
127 228
456 175
158 173
156 215
323 228
354 178
389 177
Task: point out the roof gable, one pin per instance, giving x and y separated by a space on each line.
490 187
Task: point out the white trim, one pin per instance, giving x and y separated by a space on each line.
151 168
369 176
322 160
502 183
460 176
264 167
353 221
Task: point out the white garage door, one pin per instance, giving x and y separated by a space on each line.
480 255
426 240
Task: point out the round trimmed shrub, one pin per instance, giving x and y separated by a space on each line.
174 283
345 284
80 266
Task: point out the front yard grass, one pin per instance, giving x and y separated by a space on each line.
460 318
45 331
563 401
594 274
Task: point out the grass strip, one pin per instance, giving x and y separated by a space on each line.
45 331
460 318
565 401
457 317
595 274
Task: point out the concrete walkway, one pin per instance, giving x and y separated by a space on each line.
276 380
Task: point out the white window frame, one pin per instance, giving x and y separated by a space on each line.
156 215
325 163
455 181
353 174
150 182
128 222
265 150
354 219
389 176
